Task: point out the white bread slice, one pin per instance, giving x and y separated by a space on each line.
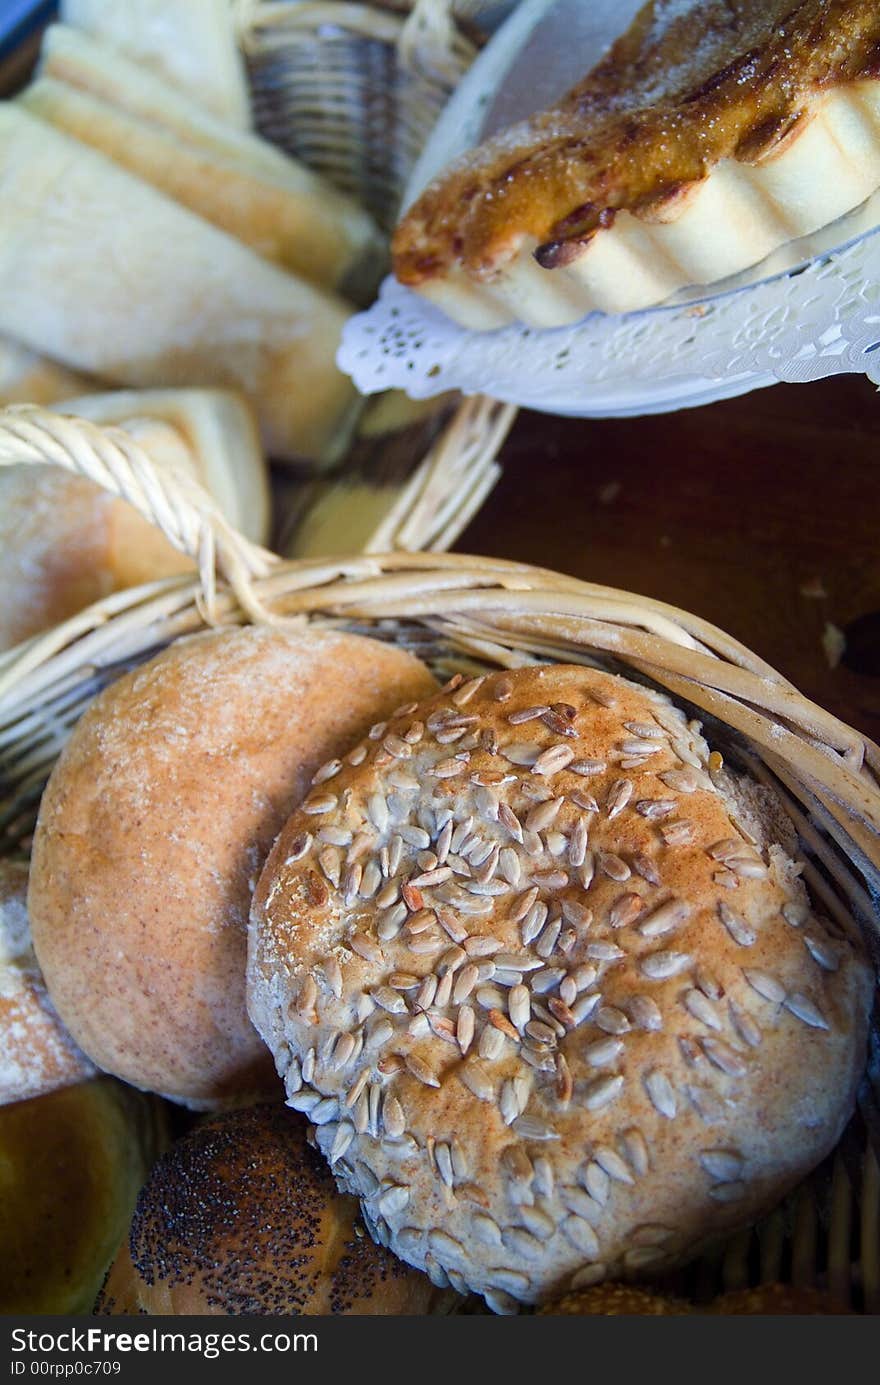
297 222
191 43
85 62
26 377
219 433
104 273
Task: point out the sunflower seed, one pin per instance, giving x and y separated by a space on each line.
581 1235
660 1092
325 1111
724 1165
681 780
805 1009
766 985
655 809
639 748
584 1007
491 1043
657 966
394 1199
549 935
477 1080
527 714
534 922
728 1192
665 918
531 1128
635 1147
610 1161
546 979
747 867
602 1092
604 952
736 926
822 952
519 1006
298 847
724 1057
646 1013
320 803
603 1052
619 795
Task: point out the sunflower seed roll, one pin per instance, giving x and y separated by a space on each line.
547 982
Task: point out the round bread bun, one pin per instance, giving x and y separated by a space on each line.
775 1300
562 1010
242 1216
614 1301
36 1052
71 1164
152 831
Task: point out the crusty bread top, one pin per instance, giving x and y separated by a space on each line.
153 829
36 1052
690 83
242 1216
559 1008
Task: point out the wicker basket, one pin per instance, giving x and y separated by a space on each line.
462 614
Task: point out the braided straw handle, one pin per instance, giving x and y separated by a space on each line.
176 504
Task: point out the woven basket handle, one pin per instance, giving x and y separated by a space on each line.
177 505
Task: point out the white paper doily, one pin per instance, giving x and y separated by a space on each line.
824 320
770 324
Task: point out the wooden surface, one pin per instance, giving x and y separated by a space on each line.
740 512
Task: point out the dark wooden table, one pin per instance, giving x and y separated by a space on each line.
760 514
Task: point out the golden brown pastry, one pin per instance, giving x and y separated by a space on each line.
713 132
154 826
71 1164
242 1216
616 1300
36 1052
563 1009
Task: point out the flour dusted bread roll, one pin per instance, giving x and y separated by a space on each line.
72 1163
65 542
36 1052
153 829
102 272
563 1010
193 45
243 1216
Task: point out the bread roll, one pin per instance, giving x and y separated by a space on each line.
593 1011
615 1301
193 45
295 220
36 1052
72 1163
66 542
102 272
223 452
242 1216
29 378
153 829
83 61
